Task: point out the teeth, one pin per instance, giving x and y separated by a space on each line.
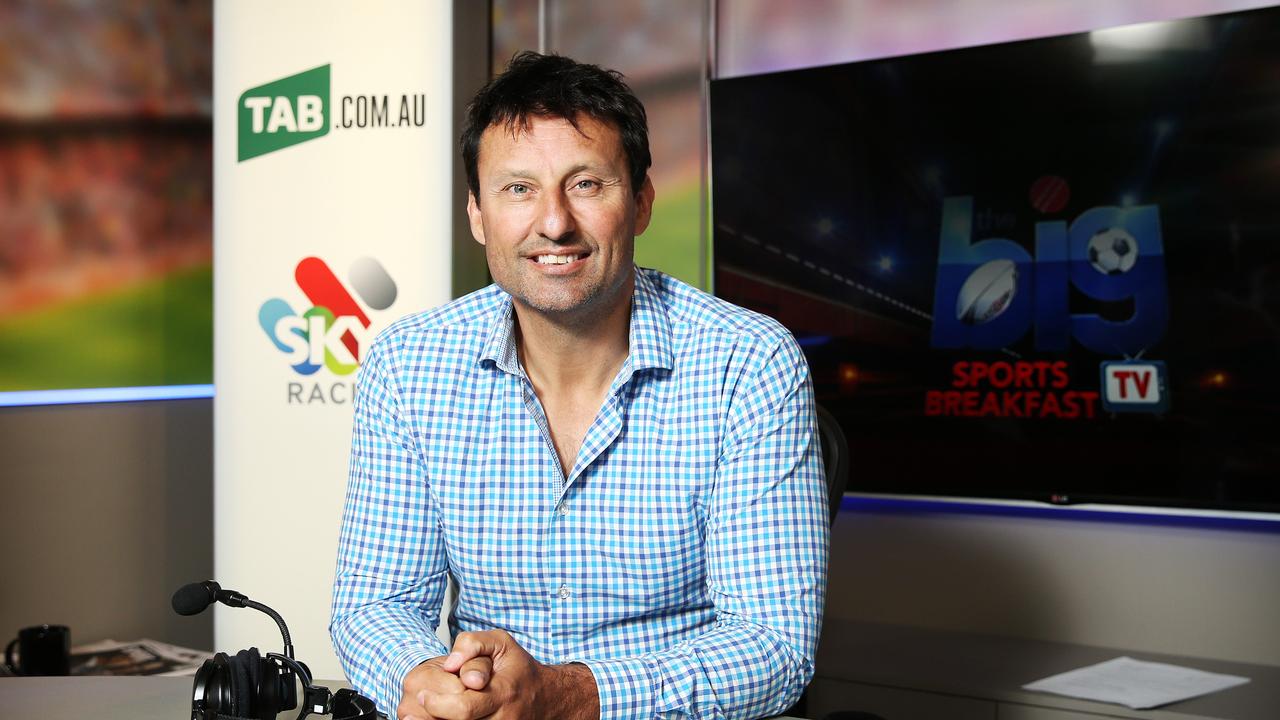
557 259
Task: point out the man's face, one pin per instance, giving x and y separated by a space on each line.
557 215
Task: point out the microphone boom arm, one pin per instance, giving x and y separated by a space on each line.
284 629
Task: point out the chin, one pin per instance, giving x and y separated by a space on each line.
558 305
568 299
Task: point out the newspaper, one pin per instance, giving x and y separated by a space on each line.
137 657
1135 683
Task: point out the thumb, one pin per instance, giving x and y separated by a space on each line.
475 673
471 645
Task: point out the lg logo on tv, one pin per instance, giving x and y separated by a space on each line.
990 293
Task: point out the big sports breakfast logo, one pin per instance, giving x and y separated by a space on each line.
333 332
991 293
298 108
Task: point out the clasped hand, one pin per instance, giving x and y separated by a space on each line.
488 675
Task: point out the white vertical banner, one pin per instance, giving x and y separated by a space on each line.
332 200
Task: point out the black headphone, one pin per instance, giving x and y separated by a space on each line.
251 687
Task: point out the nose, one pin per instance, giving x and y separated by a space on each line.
555 217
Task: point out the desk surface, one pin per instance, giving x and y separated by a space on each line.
996 668
107 698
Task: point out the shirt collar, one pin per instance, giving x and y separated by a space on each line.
501 346
649 336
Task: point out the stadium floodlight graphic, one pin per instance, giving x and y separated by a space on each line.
820 269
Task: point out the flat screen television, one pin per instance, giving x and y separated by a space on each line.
1045 270
106 202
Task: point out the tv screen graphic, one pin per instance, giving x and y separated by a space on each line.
106 197
1045 270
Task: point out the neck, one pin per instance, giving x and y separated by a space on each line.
573 352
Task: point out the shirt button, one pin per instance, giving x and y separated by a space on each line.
563 509
564 592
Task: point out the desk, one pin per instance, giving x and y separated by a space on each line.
107 698
904 672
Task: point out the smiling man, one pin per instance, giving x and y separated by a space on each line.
620 472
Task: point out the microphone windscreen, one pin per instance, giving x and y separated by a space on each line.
192 599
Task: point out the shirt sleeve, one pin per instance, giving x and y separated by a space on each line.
391 570
767 540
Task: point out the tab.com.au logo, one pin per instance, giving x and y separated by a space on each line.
298 108
333 332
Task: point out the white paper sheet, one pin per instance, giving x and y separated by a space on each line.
1135 683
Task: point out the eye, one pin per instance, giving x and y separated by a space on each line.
518 189
586 185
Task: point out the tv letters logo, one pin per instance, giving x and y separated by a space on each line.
1134 386
989 293
333 331
284 112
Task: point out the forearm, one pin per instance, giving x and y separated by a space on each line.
766 555
735 670
391 569
569 692
380 641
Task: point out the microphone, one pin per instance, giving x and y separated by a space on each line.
193 598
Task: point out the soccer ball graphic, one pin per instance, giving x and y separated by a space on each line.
987 293
1112 251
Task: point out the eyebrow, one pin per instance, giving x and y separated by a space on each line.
522 173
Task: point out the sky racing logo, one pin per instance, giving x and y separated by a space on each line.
333 332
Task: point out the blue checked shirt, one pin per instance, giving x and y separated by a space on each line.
682 558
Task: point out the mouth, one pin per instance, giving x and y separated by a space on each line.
558 259
559 263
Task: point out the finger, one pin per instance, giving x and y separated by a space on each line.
409 711
475 672
429 677
426 680
470 645
467 706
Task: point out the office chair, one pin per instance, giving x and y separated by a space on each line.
835 457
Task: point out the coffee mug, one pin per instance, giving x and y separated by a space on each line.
42 650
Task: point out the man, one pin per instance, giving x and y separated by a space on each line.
619 471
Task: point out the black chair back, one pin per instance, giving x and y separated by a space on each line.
835 456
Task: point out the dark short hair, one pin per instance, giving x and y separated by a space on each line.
536 85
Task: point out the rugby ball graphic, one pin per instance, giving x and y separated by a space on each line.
988 292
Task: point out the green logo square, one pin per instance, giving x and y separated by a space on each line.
285 112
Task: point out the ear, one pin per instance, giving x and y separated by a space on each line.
476 219
644 206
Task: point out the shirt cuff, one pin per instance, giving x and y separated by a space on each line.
402 661
625 686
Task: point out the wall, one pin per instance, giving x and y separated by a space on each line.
107 509
1166 589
